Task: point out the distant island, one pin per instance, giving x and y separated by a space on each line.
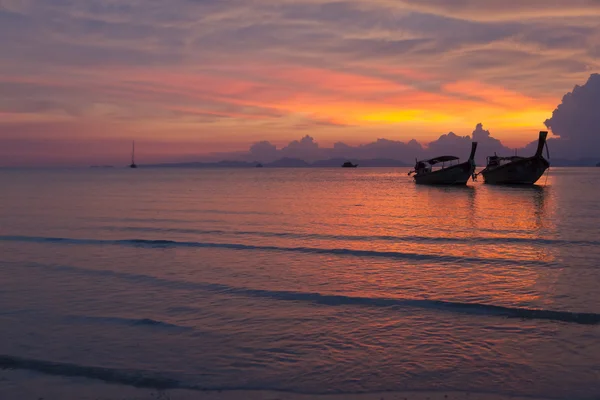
582 162
101 166
285 163
288 162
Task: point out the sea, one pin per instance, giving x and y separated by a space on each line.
312 282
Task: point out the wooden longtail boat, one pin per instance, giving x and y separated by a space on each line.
453 174
518 170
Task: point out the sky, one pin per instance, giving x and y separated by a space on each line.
81 79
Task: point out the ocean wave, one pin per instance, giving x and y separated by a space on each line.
129 321
161 381
383 238
213 211
439 305
307 250
140 379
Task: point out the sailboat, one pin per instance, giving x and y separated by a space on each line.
518 170
454 174
133 164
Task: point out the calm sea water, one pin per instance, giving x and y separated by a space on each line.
302 280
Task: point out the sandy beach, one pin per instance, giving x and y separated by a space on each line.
24 385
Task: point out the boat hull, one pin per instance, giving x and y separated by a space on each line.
455 175
523 172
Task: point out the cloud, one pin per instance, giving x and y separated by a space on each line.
577 116
505 10
453 144
308 149
576 120
234 71
263 151
484 137
381 148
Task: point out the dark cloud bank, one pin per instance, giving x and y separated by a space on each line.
575 124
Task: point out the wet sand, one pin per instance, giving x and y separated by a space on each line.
24 385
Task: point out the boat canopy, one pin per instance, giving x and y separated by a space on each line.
436 160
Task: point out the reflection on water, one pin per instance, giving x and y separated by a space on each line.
438 203
512 209
305 280
520 208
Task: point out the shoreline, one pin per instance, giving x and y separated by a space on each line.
27 385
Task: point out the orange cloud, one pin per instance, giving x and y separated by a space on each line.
318 94
502 108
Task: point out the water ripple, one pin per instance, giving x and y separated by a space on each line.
385 238
343 300
129 321
307 250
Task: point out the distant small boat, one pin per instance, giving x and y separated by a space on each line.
348 164
518 170
133 164
259 165
454 174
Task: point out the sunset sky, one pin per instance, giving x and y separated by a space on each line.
82 78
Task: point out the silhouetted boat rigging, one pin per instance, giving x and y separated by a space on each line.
348 164
518 170
454 174
133 164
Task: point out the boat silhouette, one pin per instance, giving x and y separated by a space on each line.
348 164
517 170
133 164
454 174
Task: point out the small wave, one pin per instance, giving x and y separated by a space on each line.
306 250
223 212
152 322
129 321
440 305
140 379
383 238
161 381
342 300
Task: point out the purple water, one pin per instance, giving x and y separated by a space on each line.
302 281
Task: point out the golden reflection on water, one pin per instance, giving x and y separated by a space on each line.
476 243
447 208
284 300
495 251
516 208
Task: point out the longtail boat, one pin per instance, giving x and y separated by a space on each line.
455 173
518 170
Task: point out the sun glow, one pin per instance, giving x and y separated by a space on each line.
247 74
